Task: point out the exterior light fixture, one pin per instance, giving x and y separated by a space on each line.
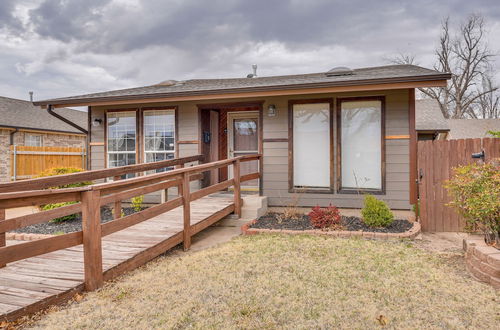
97 122
271 110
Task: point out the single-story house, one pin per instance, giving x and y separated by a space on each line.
325 137
431 124
23 124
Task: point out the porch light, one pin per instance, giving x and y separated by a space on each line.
271 110
97 122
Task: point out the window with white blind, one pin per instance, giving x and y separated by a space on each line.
121 138
311 145
33 140
361 144
159 135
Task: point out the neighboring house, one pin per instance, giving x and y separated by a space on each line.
431 124
23 124
326 137
472 128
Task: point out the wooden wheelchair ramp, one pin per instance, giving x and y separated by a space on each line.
33 284
36 274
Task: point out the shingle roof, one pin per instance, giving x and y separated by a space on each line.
428 116
373 75
23 114
472 128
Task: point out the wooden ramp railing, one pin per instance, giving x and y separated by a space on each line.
89 200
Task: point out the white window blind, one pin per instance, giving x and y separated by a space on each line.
33 140
361 127
311 145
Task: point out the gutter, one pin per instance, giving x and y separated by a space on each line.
67 121
362 82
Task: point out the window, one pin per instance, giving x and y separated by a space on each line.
311 145
33 140
121 136
159 136
360 134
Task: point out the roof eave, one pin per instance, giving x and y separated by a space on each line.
367 82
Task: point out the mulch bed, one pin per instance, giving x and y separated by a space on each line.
69 226
270 221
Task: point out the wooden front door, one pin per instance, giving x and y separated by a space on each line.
243 139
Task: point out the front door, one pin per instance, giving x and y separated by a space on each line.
243 139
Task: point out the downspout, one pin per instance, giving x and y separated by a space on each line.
78 127
67 121
11 136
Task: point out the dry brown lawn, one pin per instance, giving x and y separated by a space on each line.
298 282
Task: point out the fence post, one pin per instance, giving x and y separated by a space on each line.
118 204
186 234
2 235
237 188
92 249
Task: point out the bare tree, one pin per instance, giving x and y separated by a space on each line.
467 57
488 104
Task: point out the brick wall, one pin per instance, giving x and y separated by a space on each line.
49 140
4 155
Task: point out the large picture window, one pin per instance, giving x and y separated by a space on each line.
311 145
361 128
159 135
121 136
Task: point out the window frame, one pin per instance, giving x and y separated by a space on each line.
291 188
143 152
33 134
137 146
340 189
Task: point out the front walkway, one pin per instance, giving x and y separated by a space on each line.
33 284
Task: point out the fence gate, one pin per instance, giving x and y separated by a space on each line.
26 162
436 160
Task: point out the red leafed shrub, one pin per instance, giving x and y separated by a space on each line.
325 217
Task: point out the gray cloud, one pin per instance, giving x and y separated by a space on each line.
74 46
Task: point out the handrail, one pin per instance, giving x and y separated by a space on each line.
90 198
47 182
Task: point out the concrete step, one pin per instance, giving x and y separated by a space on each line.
253 206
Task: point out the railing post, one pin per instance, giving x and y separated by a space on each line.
237 188
186 234
92 249
2 235
118 204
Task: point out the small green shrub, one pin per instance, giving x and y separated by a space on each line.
475 193
48 207
495 134
62 171
376 213
137 202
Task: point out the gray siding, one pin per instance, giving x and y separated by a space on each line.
275 172
397 155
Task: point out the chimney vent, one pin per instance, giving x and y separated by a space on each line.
31 96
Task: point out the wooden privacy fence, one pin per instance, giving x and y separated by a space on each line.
436 160
90 199
26 162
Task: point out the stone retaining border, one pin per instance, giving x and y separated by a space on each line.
482 261
410 234
26 236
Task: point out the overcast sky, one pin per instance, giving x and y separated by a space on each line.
66 47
